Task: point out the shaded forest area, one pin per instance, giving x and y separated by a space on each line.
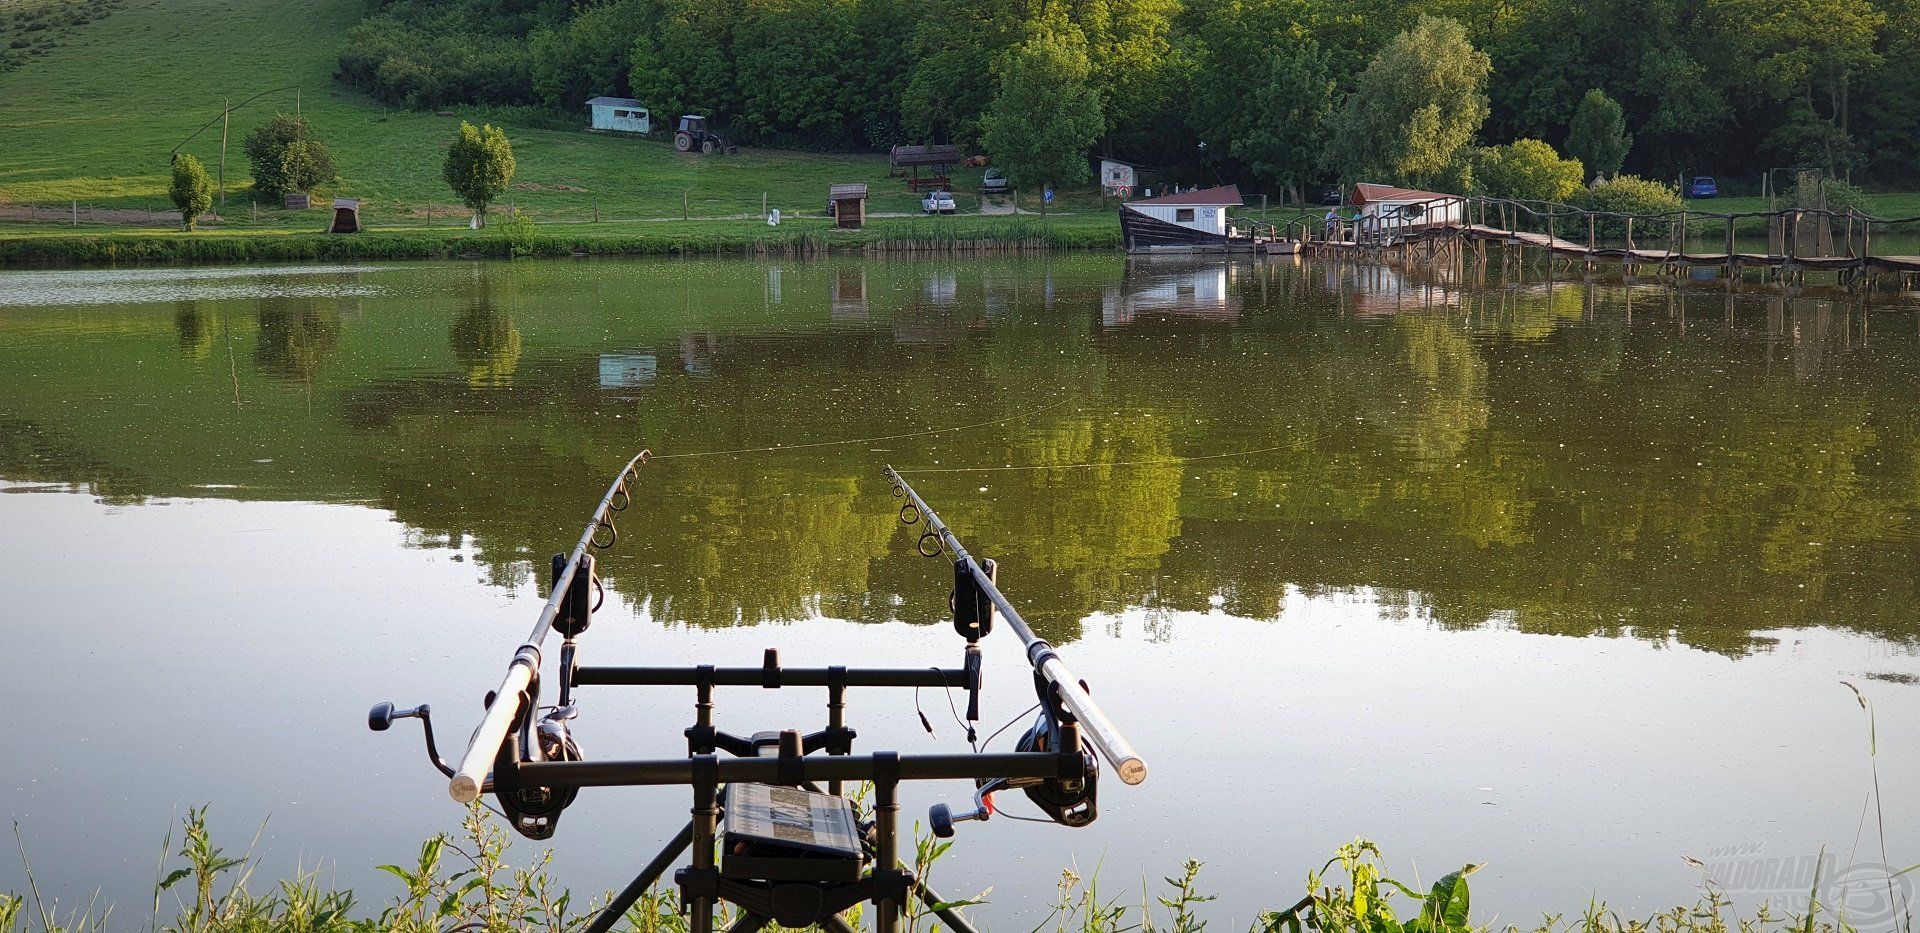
1203 90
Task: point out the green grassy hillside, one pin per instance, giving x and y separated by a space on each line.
91 115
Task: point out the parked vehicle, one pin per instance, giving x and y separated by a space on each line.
1703 186
1331 195
693 133
937 202
993 182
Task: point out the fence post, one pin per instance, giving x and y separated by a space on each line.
76 213
1866 242
683 204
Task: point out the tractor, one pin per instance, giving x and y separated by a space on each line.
694 134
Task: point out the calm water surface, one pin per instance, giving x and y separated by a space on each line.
1563 577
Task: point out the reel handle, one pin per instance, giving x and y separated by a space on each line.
941 817
381 717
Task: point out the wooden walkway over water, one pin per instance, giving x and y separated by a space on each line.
1797 241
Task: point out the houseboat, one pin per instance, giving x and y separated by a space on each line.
1190 221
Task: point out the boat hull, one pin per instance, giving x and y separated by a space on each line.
1144 234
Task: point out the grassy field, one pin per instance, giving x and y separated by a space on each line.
1891 205
91 114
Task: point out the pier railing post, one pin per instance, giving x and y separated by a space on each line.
1732 263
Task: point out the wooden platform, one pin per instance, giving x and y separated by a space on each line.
1618 255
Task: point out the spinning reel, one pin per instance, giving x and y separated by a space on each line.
533 811
1069 801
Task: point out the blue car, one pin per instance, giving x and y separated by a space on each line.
1703 186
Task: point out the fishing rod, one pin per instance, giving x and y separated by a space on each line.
1046 662
772 831
469 778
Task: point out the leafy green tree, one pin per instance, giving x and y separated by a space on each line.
806 59
687 65
1290 112
1597 135
191 190
1527 170
1413 114
1812 49
957 48
589 55
479 166
1129 48
1045 117
286 156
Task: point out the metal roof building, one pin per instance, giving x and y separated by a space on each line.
619 115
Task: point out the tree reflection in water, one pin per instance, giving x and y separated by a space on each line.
1520 454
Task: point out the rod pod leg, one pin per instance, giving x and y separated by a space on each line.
624 901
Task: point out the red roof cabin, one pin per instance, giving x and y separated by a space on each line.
1407 207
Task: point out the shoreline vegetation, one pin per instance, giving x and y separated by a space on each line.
466 883
502 238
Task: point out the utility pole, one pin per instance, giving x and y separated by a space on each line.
225 113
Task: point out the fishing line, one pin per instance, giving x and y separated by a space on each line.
1097 463
1016 718
862 440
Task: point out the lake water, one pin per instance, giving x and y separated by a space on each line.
1563 577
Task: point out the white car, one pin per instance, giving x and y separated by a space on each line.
937 202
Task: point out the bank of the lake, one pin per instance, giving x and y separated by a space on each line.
56 245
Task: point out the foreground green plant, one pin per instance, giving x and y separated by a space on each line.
465 884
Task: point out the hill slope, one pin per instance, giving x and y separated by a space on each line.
94 118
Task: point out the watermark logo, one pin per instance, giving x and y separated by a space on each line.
1869 896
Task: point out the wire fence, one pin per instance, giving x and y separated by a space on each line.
545 204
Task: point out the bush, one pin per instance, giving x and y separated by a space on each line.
191 191
518 230
286 157
1527 170
1626 194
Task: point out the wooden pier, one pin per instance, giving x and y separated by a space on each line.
1798 241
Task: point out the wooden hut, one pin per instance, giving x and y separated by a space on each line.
346 216
849 205
913 157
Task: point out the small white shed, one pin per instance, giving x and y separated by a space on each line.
619 115
1117 178
1407 207
1204 210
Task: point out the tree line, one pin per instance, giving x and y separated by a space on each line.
1280 94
